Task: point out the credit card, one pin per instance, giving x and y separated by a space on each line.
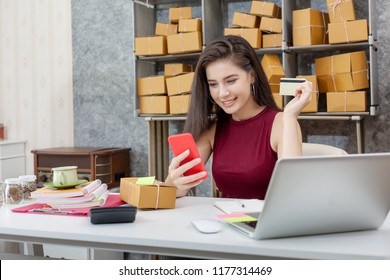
289 85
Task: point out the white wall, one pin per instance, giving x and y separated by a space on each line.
36 97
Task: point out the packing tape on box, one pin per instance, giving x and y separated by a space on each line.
244 19
323 26
150 84
149 45
345 101
346 31
158 193
273 24
262 8
182 42
335 5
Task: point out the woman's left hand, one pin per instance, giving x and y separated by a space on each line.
301 99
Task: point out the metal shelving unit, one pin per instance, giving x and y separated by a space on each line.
212 27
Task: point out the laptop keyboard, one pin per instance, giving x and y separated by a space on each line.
251 224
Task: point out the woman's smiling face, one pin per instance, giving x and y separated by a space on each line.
230 87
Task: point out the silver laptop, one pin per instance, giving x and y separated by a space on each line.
326 194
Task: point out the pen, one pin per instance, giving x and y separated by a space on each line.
240 203
50 211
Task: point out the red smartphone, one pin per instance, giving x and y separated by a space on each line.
184 141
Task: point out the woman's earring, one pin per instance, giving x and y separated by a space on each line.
253 90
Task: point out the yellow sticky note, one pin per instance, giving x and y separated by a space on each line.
145 180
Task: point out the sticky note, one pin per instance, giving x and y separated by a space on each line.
236 218
146 180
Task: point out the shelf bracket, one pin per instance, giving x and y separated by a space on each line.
146 4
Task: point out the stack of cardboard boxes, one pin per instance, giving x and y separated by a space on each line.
341 77
263 17
343 26
274 71
169 93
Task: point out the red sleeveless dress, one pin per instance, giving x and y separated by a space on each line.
243 159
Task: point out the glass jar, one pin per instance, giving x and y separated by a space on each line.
12 191
29 185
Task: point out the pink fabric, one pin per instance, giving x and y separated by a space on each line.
112 200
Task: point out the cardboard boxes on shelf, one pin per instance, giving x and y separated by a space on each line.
180 84
252 35
151 85
184 42
348 31
309 27
179 104
273 70
313 105
165 29
341 10
190 25
177 13
173 69
272 40
278 99
147 196
265 9
154 104
342 72
354 101
152 45
245 20
271 25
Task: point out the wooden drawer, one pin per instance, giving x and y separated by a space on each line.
106 164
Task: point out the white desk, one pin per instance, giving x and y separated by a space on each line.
169 232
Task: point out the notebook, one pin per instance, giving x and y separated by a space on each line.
323 194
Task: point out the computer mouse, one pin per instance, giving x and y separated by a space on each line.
207 226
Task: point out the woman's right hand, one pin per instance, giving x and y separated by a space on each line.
176 171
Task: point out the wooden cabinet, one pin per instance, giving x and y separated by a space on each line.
106 164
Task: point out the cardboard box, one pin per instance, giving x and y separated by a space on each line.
151 85
179 104
190 25
152 45
265 9
272 40
309 27
341 10
313 105
173 69
271 25
175 14
348 31
273 70
342 72
252 35
185 42
278 99
245 20
354 101
147 196
180 84
165 29
154 104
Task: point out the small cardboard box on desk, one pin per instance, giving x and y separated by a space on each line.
145 193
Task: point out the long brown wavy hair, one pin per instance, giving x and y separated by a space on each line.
200 114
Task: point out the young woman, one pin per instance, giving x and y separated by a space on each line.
233 117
